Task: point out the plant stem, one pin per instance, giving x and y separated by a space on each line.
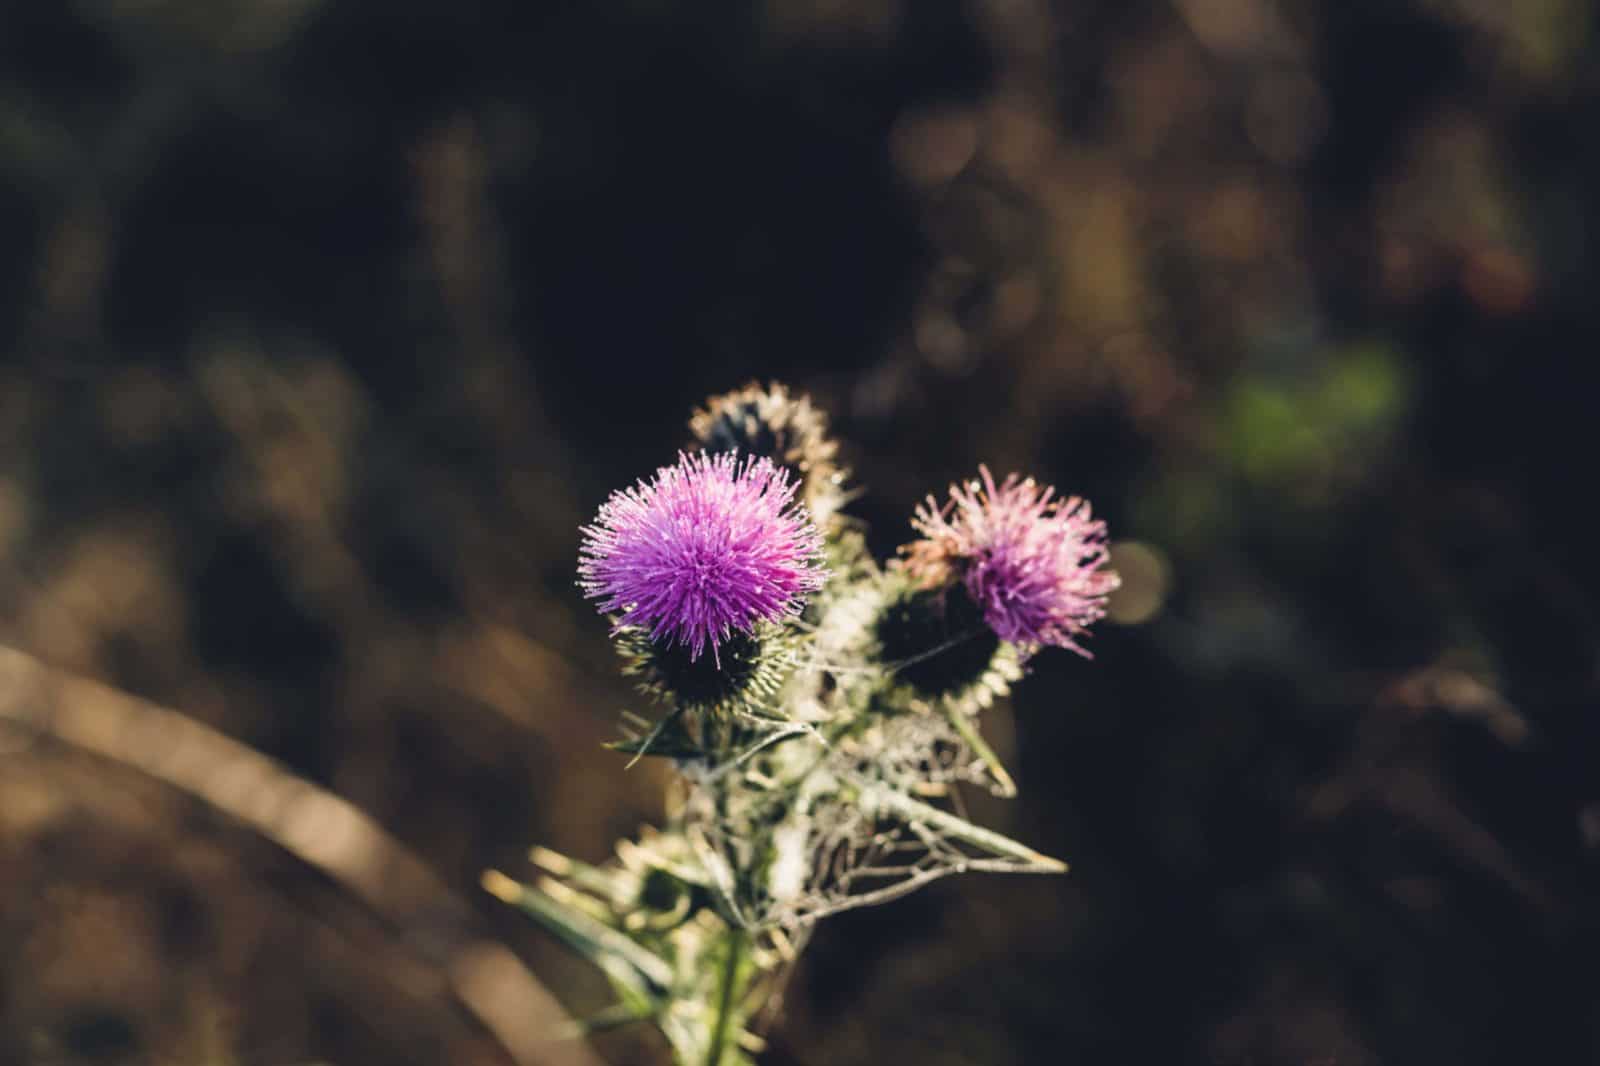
730 978
874 796
968 732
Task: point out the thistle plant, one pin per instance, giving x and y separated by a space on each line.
819 708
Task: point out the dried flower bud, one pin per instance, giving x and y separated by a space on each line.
786 429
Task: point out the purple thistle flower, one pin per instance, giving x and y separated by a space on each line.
1030 560
711 545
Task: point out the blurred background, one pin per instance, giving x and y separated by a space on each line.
328 323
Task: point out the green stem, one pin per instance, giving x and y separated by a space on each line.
876 797
968 732
730 979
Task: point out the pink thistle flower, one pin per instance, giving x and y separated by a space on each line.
708 546
1030 560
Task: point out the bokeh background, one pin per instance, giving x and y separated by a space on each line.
328 322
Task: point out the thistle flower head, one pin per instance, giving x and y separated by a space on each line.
1031 561
916 621
749 669
710 546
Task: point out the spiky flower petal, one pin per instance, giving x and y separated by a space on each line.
710 546
1032 561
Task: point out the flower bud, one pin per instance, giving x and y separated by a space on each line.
786 429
